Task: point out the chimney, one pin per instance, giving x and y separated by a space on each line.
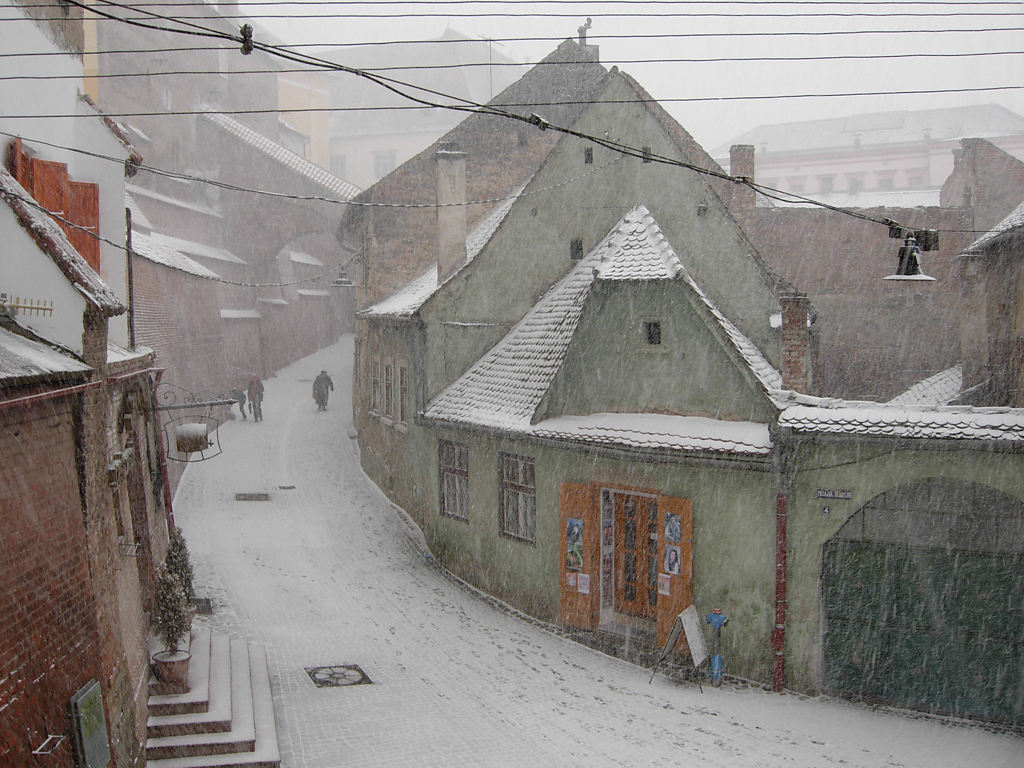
451 210
796 342
741 164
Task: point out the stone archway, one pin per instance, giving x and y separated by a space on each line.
923 600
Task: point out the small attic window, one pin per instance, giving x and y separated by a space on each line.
652 332
576 249
588 155
647 154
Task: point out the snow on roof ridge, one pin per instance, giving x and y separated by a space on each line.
1014 220
934 390
282 154
614 267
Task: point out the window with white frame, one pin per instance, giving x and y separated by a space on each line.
403 393
518 497
453 475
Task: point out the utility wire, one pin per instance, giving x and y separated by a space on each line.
559 38
587 3
468 106
470 65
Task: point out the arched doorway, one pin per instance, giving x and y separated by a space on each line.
923 597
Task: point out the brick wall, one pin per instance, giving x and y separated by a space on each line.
49 639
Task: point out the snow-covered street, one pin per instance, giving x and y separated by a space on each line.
327 572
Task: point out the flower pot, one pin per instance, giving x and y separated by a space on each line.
171 667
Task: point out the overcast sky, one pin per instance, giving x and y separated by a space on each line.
717 122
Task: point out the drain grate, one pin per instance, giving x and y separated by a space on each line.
252 497
338 676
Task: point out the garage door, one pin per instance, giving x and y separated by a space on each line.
923 592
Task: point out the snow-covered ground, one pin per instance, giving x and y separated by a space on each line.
329 573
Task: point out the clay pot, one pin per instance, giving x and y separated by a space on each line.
171 667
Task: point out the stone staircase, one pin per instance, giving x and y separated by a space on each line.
226 719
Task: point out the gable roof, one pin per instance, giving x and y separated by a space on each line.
505 387
54 243
1013 223
283 156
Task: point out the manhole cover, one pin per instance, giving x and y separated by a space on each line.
337 676
204 606
252 497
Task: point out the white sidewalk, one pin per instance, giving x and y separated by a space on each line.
327 573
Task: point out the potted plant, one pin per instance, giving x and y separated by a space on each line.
171 624
180 565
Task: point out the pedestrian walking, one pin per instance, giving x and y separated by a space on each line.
239 395
255 394
322 386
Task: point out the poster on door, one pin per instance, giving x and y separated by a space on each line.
574 544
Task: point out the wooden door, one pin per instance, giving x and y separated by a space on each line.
636 554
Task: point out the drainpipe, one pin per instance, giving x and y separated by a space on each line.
778 636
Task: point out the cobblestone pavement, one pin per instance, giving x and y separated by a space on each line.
330 573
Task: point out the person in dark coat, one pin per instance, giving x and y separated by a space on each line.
322 386
239 395
255 393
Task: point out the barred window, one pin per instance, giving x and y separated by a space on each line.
388 390
518 497
453 473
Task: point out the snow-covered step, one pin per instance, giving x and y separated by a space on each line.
265 752
197 698
217 716
240 738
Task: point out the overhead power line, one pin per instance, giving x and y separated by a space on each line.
468 106
587 3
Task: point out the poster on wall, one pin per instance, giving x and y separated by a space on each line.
673 528
607 580
574 544
664 584
672 559
583 584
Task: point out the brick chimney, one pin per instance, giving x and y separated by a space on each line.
796 342
451 213
741 163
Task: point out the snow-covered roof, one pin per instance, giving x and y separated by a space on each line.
54 243
139 218
192 248
240 314
504 388
405 302
152 248
313 292
283 156
1012 222
118 354
177 202
659 431
939 389
301 257
275 302
867 419
24 359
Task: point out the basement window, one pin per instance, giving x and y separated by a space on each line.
576 249
652 332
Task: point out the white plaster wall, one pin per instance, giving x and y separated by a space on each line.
26 272
85 131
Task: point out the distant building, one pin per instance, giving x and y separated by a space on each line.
893 159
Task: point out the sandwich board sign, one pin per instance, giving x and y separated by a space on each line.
686 623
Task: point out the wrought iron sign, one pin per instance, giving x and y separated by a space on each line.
192 433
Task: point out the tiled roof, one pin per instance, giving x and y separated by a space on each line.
659 431
54 243
939 389
152 249
410 298
202 250
866 419
24 359
139 218
504 388
284 156
1012 222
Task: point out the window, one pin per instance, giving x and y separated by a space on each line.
576 249
388 390
854 184
647 154
403 393
384 161
518 497
453 473
375 385
826 184
652 332
588 155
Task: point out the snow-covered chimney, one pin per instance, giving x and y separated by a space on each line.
741 164
451 211
796 342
